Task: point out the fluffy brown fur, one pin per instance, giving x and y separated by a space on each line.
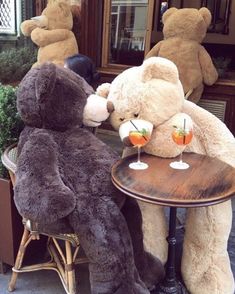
63 182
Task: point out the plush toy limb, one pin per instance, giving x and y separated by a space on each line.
105 238
209 72
154 51
28 26
150 269
155 230
43 37
223 145
188 93
40 193
196 94
154 235
205 262
103 90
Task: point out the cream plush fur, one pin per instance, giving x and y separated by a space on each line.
183 31
51 32
153 92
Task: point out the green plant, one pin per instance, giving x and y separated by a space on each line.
10 122
15 63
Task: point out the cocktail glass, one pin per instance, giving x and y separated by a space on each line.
139 132
181 136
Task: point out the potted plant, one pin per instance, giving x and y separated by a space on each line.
10 222
10 122
15 63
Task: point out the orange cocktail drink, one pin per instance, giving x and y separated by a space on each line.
181 136
139 138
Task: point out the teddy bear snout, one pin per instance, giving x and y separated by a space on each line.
110 106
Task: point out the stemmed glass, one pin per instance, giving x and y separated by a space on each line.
181 136
139 132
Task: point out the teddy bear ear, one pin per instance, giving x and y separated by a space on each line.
206 14
159 68
167 13
45 81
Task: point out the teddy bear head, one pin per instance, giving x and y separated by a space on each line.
56 15
52 97
186 23
146 92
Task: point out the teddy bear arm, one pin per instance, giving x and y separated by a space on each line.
27 27
154 51
213 135
43 37
209 72
40 193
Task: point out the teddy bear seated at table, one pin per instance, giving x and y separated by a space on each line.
153 92
63 183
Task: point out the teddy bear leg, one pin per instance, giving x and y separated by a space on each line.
155 230
105 238
150 268
205 261
196 94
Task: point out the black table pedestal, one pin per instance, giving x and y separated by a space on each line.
170 284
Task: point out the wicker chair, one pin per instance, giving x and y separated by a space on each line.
63 258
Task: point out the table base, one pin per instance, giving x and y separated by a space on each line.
168 288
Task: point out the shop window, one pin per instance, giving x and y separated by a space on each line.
220 10
126 34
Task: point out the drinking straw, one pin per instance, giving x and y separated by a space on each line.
138 130
184 131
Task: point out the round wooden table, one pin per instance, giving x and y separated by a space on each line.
208 181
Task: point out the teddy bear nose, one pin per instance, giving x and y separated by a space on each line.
110 106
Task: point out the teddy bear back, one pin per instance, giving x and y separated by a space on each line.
59 18
45 99
186 23
52 33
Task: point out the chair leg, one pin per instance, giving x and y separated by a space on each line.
19 259
69 269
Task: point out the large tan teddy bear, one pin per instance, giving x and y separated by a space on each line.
52 33
183 31
154 92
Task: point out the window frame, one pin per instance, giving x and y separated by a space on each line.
15 10
106 36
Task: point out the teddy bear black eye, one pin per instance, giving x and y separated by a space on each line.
121 119
136 114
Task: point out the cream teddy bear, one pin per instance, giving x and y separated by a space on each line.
183 31
154 92
51 32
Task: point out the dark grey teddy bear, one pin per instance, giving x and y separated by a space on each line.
63 182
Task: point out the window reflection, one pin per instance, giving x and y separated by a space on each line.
127 31
220 10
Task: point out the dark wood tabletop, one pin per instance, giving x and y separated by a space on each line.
206 182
